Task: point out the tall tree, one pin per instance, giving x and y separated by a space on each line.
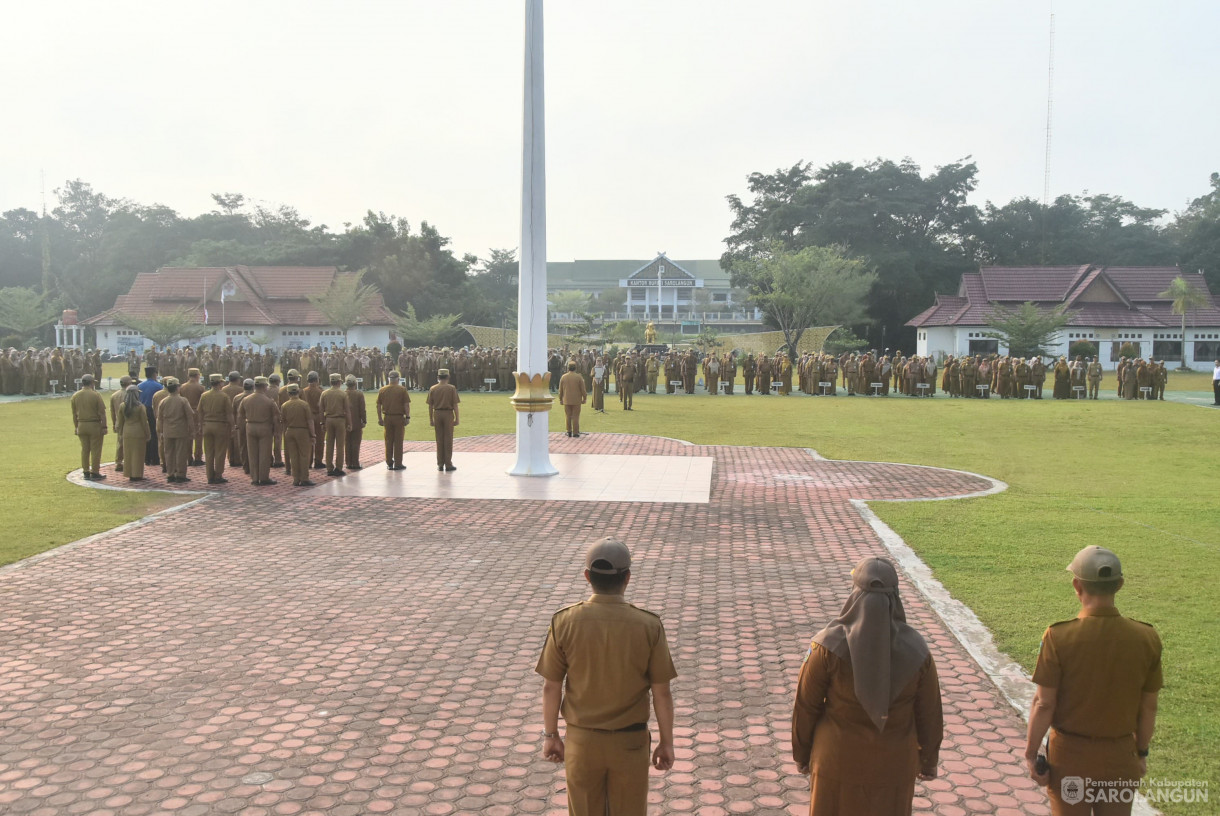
798 289
1186 296
167 328
1198 233
24 311
912 230
344 302
1027 330
432 331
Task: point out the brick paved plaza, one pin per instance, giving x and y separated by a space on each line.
280 651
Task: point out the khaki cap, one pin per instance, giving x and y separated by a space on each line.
293 388
261 381
609 551
292 372
336 378
444 372
216 378
1095 563
350 379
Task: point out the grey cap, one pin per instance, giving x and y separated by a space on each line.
1095 563
608 556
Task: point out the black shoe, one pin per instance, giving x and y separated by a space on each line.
87 474
399 467
569 433
450 468
118 468
277 464
269 481
576 436
163 469
306 484
137 478
98 476
184 478
355 467
389 464
318 466
338 473
440 467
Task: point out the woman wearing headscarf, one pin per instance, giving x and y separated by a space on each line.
132 426
867 719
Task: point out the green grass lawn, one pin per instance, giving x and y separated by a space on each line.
1133 476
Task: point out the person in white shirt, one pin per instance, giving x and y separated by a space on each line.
1216 384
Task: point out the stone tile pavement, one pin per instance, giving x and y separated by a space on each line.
269 652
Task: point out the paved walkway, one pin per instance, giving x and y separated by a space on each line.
266 651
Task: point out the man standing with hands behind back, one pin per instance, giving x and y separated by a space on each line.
601 659
572 395
1098 676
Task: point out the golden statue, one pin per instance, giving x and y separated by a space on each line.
650 332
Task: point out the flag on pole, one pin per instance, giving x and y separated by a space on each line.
205 315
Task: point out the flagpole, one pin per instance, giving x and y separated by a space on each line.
532 400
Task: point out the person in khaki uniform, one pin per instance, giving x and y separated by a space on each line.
572 395
298 424
393 414
131 421
89 425
1094 374
116 404
357 411
247 389
277 441
192 390
601 660
176 422
260 416
234 390
1098 677
443 416
294 378
867 719
312 394
218 419
337 415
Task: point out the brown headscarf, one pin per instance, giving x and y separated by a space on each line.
872 634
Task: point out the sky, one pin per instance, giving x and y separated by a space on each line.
656 109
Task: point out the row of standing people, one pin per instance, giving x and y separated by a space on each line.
44 371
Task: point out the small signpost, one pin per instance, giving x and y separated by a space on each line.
488 382
53 384
922 388
1145 390
776 385
877 388
1029 391
824 388
982 389
1078 391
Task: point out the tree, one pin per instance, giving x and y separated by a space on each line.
814 286
229 203
1185 296
1027 330
569 301
625 331
913 230
23 311
1198 233
167 328
612 300
344 302
708 340
433 331
261 339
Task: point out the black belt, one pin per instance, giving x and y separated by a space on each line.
1093 739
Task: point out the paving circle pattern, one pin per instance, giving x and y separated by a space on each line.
266 651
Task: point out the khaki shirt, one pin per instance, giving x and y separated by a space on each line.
88 406
334 404
295 414
1101 664
572 389
258 409
610 653
443 397
216 407
393 400
175 419
356 408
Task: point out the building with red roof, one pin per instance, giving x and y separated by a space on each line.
241 302
1108 306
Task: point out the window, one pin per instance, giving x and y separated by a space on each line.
720 297
1167 350
1207 349
985 347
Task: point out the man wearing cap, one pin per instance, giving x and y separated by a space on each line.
298 434
260 416
293 377
572 395
1097 679
443 416
177 423
337 414
191 391
277 441
394 414
234 390
601 659
247 386
217 417
89 425
116 405
358 418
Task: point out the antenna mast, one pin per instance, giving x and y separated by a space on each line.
1050 105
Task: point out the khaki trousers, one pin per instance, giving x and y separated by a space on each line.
177 449
258 450
444 437
319 441
336 442
607 772
354 437
90 434
296 453
571 413
1112 762
216 437
133 456
394 427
